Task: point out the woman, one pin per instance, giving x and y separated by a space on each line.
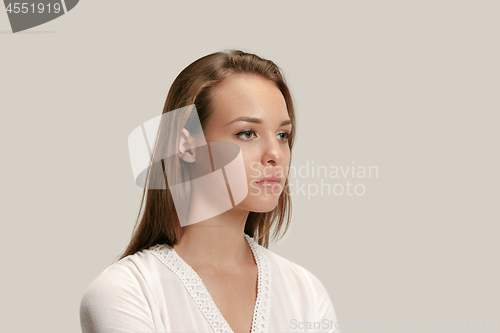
216 274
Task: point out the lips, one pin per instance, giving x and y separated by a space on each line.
270 179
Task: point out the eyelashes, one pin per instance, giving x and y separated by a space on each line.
246 138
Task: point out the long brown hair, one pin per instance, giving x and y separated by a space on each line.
159 223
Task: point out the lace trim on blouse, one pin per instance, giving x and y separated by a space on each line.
194 285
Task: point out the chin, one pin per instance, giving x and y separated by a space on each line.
260 199
262 209
259 204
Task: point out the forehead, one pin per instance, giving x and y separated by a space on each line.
248 95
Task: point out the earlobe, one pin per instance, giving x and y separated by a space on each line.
186 142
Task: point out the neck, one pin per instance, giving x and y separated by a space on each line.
217 243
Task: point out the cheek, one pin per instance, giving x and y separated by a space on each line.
251 165
286 154
286 157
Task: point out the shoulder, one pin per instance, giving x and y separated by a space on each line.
120 276
296 275
121 288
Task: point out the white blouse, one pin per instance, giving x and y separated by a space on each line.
155 290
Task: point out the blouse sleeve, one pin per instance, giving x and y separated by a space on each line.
114 303
325 310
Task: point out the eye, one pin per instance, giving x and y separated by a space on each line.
285 136
245 133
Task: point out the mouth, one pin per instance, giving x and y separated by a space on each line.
269 183
272 181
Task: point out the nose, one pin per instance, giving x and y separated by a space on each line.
273 153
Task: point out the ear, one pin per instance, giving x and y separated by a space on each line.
186 145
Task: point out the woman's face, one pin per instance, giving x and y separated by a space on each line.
262 136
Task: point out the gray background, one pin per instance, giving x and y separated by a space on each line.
409 86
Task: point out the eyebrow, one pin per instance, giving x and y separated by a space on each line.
256 120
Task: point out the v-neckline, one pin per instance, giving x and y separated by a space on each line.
196 288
